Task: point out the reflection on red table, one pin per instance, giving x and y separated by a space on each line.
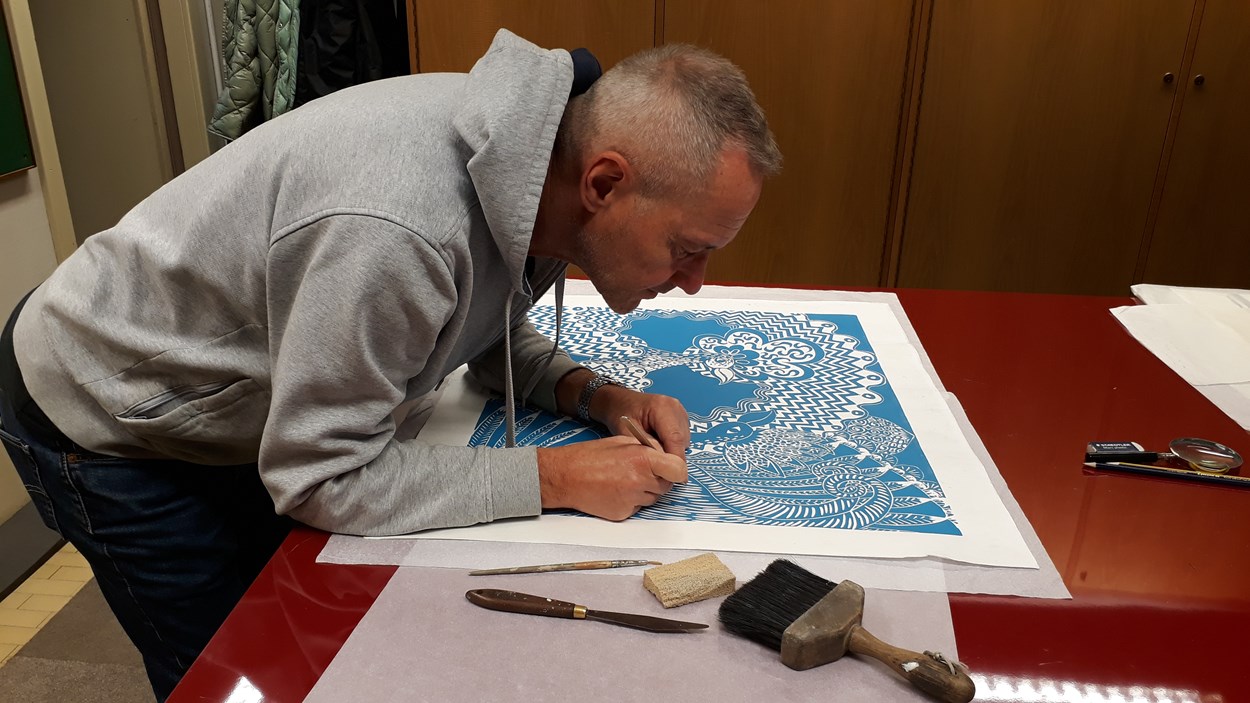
1158 568
287 629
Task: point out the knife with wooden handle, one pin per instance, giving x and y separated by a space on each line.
514 602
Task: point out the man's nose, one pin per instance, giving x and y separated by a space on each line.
689 277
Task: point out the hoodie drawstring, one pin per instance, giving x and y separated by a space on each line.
509 399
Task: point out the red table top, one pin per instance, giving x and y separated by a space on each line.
1158 568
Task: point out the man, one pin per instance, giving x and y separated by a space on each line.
247 340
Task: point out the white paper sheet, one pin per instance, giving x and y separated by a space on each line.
988 533
1210 298
1203 349
1201 333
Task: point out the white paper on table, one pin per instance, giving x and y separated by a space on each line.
1233 399
1204 347
989 535
1209 298
1201 333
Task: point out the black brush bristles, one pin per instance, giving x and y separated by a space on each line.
769 603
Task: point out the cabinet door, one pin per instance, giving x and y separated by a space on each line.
452 34
1202 235
829 75
1041 128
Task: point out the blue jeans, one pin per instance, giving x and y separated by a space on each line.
173 545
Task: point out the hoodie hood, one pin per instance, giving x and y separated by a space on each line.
512 145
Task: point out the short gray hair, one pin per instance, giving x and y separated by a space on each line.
671 110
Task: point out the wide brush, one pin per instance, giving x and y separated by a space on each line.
812 621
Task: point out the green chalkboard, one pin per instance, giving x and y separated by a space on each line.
15 151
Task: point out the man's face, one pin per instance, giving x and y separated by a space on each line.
641 247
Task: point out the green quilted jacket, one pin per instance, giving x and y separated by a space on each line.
259 43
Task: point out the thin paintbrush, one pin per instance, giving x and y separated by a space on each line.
813 621
566 566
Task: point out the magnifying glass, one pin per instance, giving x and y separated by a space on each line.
1201 454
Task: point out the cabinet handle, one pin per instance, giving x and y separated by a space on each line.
1199 80
1168 77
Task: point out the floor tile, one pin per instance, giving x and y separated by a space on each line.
14 600
23 618
25 612
84 631
16 635
72 573
49 588
44 572
46 604
64 558
45 592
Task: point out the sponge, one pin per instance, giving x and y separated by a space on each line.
689 580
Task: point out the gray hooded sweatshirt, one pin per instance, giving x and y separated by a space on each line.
284 301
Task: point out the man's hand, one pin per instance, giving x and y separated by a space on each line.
661 416
610 478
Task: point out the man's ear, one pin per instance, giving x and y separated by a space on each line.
608 177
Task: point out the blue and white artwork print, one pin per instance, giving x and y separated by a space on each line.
793 421
818 428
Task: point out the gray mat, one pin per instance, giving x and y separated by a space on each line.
422 641
80 655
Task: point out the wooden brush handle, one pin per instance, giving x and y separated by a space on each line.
922 670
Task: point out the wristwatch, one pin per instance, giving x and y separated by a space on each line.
588 391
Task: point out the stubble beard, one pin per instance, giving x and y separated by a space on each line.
602 270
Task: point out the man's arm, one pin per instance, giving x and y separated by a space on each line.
614 477
560 387
610 478
356 304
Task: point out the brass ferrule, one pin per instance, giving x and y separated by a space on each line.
579 612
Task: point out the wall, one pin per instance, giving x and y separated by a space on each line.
28 258
35 225
105 148
108 121
194 59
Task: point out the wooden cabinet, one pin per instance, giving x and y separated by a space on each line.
1039 138
1034 145
452 35
830 77
1202 235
